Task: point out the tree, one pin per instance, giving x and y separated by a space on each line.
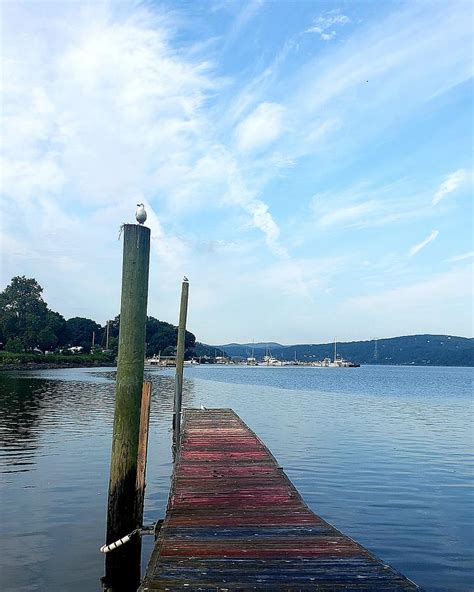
57 324
161 336
47 340
14 345
26 322
80 331
22 311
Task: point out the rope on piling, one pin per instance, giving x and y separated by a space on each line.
153 529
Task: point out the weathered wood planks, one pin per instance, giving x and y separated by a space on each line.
236 522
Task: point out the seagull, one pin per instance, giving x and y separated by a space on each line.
140 214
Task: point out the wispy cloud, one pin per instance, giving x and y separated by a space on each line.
426 304
354 214
462 257
247 12
419 246
260 128
365 204
325 25
450 184
105 105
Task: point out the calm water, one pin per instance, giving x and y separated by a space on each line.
383 453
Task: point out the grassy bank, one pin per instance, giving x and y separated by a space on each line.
27 361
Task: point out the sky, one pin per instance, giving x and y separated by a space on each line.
306 164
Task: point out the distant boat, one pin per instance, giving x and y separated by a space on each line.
337 362
252 361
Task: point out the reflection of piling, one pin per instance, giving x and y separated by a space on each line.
123 564
178 388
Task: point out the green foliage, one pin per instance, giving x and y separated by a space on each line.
25 316
27 324
162 337
25 358
201 350
80 331
14 345
47 340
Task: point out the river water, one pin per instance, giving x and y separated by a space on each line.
383 453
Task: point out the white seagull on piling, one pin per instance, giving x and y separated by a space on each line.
140 214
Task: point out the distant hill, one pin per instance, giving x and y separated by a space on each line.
238 348
210 351
419 350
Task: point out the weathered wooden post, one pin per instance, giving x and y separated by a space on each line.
178 385
143 449
123 564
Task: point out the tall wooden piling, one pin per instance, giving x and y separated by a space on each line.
178 386
123 564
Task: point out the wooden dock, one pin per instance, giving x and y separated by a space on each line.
235 522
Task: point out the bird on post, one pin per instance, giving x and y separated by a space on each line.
140 214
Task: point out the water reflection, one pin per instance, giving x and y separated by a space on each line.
19 417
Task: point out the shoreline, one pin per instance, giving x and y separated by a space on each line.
24 366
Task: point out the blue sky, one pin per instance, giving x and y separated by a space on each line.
308 165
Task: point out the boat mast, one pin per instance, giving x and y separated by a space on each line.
335 350
107 337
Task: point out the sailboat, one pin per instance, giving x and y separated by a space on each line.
337 362
252 361
340 362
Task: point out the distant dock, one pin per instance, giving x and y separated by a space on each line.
235 522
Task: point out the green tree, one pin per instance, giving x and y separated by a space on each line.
14 345
161 336
80 331
47 340
23 311
57 324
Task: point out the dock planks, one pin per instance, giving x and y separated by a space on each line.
236 522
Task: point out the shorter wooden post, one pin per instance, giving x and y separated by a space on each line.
178 390
142 450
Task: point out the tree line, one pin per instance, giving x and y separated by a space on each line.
27 324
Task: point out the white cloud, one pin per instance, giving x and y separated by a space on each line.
365 205
105 106
330 19
450 184
263 126
429 294
461 257
262 219
419 246
114 111
349 214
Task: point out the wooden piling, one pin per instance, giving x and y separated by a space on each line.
142 450
123 564
178 389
